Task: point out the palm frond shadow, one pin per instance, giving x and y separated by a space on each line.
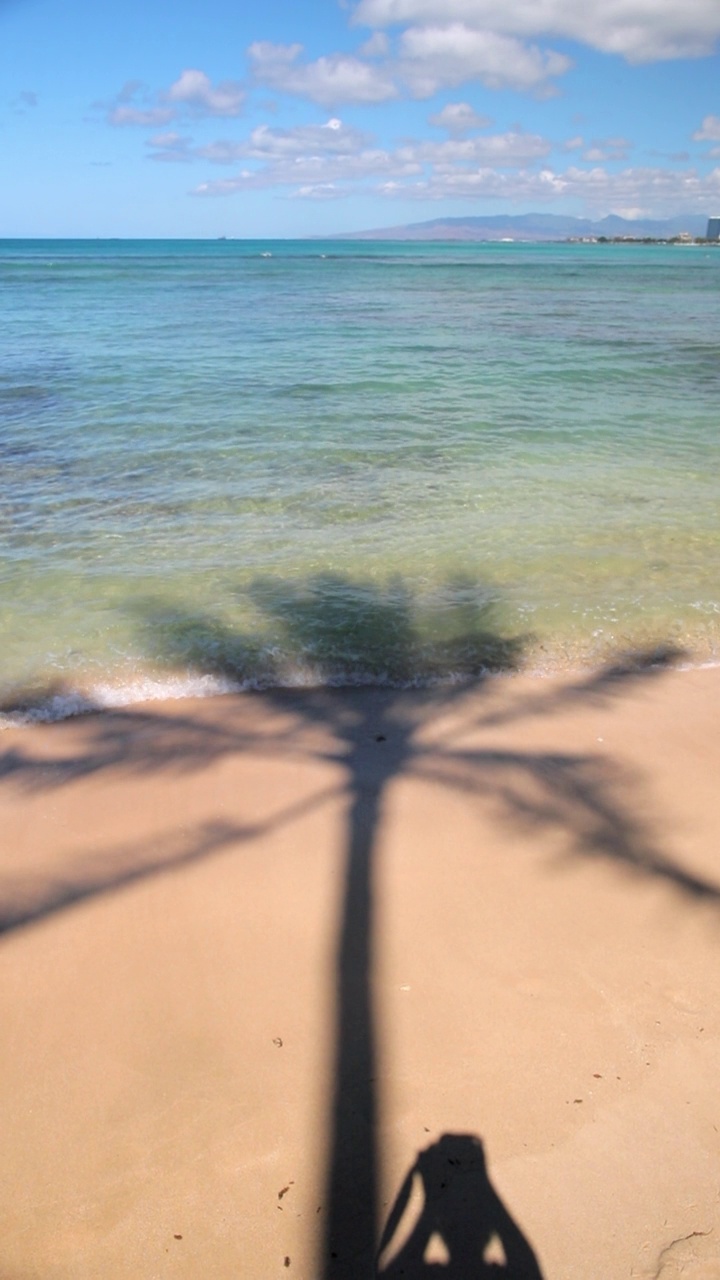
373 736
343 631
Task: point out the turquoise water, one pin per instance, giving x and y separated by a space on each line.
292 461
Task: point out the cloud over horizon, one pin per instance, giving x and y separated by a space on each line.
333 161
426 51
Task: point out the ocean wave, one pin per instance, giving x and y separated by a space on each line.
67 702
70 702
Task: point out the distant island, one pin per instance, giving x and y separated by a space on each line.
545 227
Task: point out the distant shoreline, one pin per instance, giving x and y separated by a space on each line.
380 237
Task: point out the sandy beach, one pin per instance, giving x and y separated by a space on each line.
286 977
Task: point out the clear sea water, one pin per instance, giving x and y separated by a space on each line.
235 462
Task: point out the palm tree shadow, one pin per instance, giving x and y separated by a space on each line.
461 1215
341 627
374 634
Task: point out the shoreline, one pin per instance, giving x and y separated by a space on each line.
53 701
482 915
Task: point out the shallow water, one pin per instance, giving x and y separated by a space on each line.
350 461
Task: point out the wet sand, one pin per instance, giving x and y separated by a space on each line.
259 952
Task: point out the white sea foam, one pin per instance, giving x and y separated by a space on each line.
106 696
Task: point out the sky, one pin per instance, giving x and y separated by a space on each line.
248 119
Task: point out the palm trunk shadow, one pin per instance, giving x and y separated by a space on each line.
351 1193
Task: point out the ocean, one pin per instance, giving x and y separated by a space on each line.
230 464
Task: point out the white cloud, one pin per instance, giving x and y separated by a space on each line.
308 156
312 170
378 46
322 191
194 90
502 150
329 80
135 105
421 173
245 181
646 191
192 94
332 160
639 30
709 130
303 146
325 155
428 59
432 58
332 138
320 158
458 118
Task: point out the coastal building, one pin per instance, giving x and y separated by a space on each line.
713 229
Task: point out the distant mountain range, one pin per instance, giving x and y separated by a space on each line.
534 226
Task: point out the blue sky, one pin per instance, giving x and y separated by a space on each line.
172 118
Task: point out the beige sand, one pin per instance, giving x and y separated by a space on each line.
535 888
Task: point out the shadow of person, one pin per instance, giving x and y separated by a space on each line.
462 1219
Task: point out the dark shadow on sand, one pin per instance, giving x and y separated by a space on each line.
461 1218
373 737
